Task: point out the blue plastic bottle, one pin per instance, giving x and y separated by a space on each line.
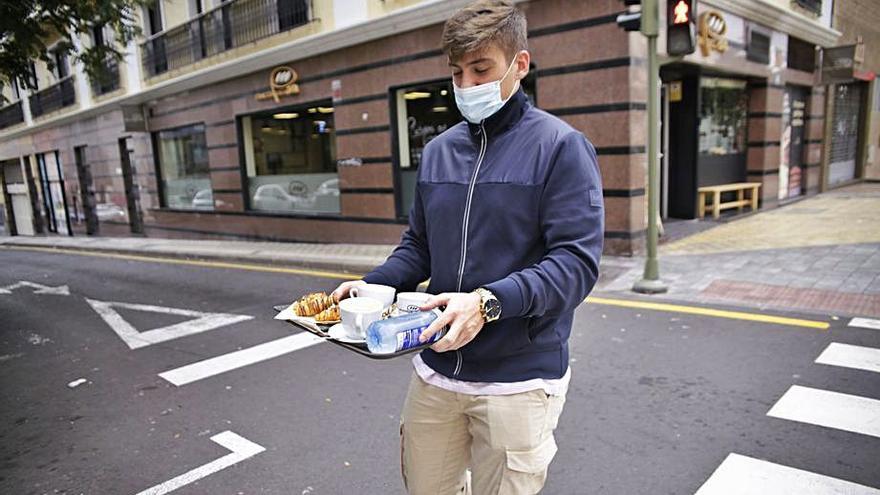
400 332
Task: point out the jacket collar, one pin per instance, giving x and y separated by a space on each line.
505 118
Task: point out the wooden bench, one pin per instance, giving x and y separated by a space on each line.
714 192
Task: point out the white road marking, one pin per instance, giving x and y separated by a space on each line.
135 339
829 409
241 448
851 356
77 382
238 359
741 475
61 290
865 323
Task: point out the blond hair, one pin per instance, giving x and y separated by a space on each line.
484 22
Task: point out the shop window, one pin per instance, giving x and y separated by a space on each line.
290 158
424 112
723 116
183 168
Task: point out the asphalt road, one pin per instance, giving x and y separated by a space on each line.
657 400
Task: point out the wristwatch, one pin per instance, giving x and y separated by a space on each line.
490 306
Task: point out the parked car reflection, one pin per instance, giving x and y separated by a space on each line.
274 197
110 211
203 200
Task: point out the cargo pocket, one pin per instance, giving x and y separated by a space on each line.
526 470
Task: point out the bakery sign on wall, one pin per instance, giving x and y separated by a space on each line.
712 32
282 82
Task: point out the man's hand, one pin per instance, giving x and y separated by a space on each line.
342 291
463 316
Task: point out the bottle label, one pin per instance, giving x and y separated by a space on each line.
410 338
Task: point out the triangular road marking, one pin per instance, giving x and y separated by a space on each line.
202 322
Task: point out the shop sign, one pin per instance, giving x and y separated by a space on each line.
282 82
840 64
712 32
336 90
349 162
675 91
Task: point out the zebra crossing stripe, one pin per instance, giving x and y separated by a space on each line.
865 323
741 475
830 409
851 356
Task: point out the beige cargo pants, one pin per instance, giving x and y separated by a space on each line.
506 441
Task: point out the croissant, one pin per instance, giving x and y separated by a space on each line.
312 304
329 314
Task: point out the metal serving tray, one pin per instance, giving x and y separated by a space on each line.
356 348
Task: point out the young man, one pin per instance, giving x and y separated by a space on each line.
508 224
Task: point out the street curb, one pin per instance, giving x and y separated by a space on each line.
355 267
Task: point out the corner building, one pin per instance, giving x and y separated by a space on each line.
305 120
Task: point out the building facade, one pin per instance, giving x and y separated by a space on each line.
299 120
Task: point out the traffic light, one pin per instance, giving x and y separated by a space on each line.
681 27
631 19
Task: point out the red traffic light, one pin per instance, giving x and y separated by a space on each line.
681 12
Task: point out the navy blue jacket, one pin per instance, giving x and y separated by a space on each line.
514 205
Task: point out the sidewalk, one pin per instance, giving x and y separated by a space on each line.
354 258
821 254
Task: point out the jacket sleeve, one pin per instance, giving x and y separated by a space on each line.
572 217
410 263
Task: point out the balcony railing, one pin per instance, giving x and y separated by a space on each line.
109 80
230 25
56 96
10 115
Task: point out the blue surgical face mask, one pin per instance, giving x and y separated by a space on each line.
478 103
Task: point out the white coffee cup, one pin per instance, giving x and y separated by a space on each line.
383 293
358 313
409 302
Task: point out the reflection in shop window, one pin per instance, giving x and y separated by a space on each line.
723 113
183 167
423 113
290 158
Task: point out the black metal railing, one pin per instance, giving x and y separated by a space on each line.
230 25
109 79
56 96
11 114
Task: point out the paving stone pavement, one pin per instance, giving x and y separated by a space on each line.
820 254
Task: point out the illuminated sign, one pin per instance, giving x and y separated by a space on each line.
282 82
712 33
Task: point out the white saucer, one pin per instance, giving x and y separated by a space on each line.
337 332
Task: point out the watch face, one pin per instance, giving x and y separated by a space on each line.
493 309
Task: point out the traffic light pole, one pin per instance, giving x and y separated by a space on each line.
650 282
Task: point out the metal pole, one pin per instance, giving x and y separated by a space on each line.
650 282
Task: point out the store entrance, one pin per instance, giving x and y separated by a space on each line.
54 198
791 160
845 132
14 182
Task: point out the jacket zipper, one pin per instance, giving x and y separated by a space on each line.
484 142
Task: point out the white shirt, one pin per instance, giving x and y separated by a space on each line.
558 386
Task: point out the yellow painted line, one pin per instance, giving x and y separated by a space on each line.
717 313
211 264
